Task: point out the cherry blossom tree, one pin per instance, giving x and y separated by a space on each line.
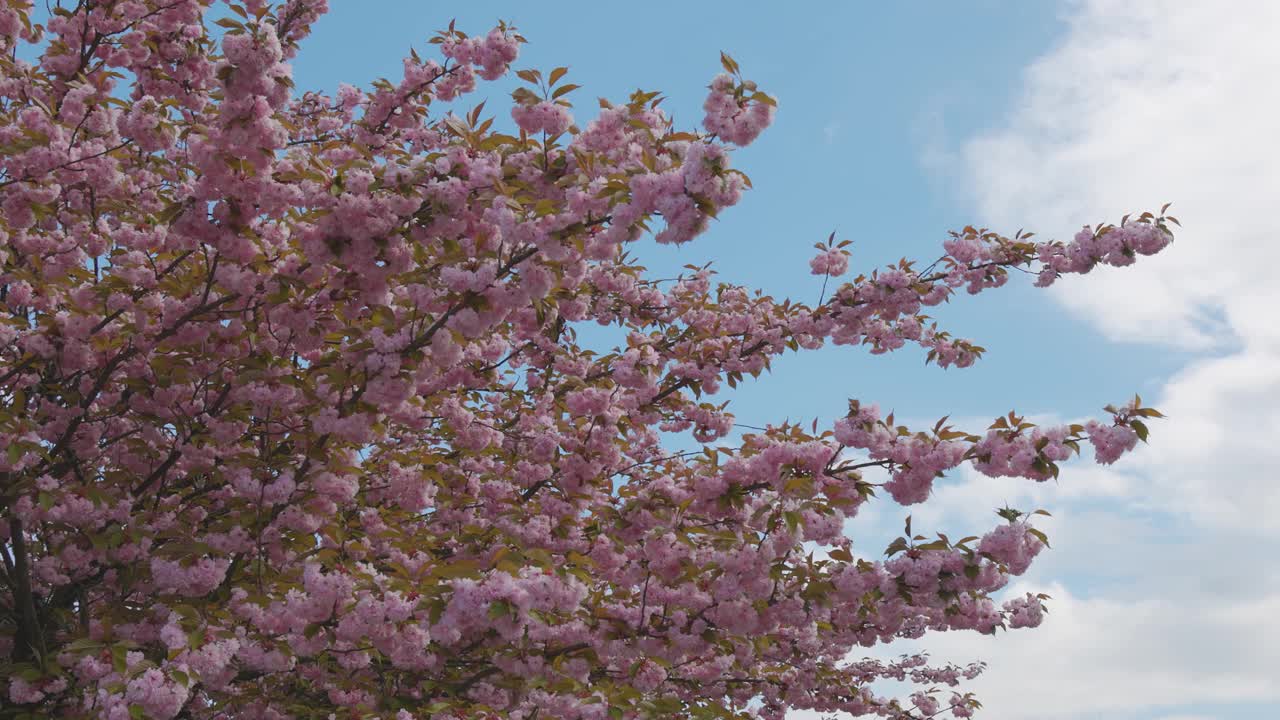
294 422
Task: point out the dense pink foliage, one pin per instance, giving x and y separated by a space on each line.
295 424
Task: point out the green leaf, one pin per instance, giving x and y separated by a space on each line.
499 609
119 660
1140 428
81 645
792 519
728 63
1009 514
896 546
459 569
383 316
564 90
841 554
170 213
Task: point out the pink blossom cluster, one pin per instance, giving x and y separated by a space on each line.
23 692
1110 441
1109 244
195 579
737 118
914 460
299 416
832 262
926 704
1017 453
1012 545
1025 611
295 20
158 695
472 605
549 117
493 53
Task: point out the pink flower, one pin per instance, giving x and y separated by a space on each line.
830 262
736 120
649 676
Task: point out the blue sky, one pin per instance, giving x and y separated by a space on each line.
899 121
862 94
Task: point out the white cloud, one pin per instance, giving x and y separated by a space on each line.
1164 598
1217 457
1146 103
1145 615
1105 657
1142 103
1162 603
